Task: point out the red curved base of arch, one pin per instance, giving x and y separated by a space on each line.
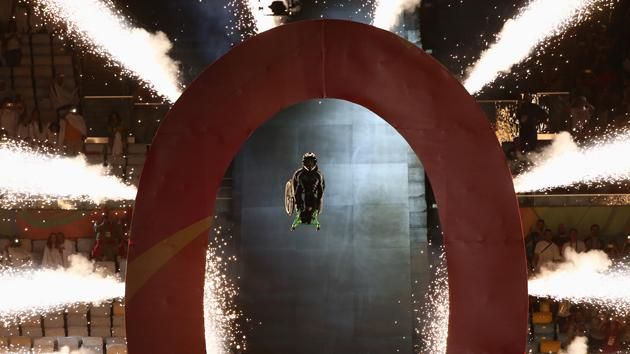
326 59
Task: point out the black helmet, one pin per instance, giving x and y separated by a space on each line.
309 155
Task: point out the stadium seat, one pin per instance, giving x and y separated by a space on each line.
116 349
100 331
549 346
75 320
100 321
71 343
20 343
118 321
54 320
32 332
43 345
9 330
542 318
101 310
55 332
34 321
94 344
119 308
78 309
119 332
115 340
544 329
77 331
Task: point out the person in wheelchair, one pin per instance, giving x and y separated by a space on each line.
308 187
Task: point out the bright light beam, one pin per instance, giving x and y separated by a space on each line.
387 12
32 176
537 22
107 33
565 164
32 292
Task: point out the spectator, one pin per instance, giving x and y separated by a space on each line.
62 97
561 237
8 119
72 132
30 127
546 251
52 257
116 134
66 247
581 113
529 114
593 242
574 243
107 238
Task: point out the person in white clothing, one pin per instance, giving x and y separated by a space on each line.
30 128
546 251
577 245
67 248
62 96
72 132
52 254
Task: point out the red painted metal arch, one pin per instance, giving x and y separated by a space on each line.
327 59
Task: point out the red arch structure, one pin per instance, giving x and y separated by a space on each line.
326 59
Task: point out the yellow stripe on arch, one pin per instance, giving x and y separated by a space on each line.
151 261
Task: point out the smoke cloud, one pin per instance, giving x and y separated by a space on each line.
565 164
32 292
387 12
579 345
585 278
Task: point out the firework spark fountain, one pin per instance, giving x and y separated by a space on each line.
435 310
221 314
23 289
99 26
387 12
45 177
586 278
566 164
536 23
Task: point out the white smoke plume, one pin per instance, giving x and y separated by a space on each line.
536 23
46 177
26 293
564 164
387 12
585 278
101 27
579 345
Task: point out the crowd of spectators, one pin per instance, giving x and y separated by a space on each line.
606 330
109 245
66 133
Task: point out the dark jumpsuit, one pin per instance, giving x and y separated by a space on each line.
309 189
